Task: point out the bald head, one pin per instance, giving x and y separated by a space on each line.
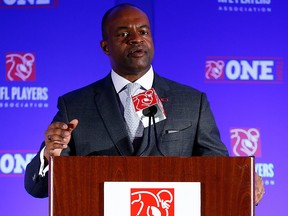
112 13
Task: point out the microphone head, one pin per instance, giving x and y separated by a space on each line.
150 111
148 104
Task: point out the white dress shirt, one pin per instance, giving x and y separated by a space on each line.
146 82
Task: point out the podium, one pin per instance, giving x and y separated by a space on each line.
76 183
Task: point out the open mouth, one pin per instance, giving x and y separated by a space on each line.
136 51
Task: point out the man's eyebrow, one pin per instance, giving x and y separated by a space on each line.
122 28
127 27
144 26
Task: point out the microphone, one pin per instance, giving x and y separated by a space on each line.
146 102
148 105
150 111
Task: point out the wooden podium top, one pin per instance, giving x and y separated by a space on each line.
77 183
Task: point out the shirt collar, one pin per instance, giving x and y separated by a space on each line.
146 81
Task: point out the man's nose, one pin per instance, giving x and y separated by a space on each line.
135 38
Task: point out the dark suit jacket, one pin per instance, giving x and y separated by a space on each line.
189 129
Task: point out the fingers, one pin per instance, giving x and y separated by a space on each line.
259 187
57 137
51 152
259 196
58 131
73 124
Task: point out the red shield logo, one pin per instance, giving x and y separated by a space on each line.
152 201
20 67
245 142
214 69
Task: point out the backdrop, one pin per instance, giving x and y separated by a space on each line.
234 50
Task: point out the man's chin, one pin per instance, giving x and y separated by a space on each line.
139 66
138 69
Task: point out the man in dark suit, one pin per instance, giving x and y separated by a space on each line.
90 120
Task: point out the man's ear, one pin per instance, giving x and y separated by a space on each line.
104 47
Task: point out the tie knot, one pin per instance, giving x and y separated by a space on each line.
132 88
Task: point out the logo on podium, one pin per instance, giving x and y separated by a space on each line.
152 198
152 201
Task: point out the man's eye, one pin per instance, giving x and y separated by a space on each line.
144 32
123 34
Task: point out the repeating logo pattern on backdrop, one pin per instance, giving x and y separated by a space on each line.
20 66
20 74
246 142
27 3
247 69
14 162
152 201
251 6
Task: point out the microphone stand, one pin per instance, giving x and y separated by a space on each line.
150 112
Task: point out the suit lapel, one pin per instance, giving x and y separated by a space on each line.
107 104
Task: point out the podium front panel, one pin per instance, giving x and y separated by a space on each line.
76 183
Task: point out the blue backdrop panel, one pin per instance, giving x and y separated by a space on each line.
50 48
